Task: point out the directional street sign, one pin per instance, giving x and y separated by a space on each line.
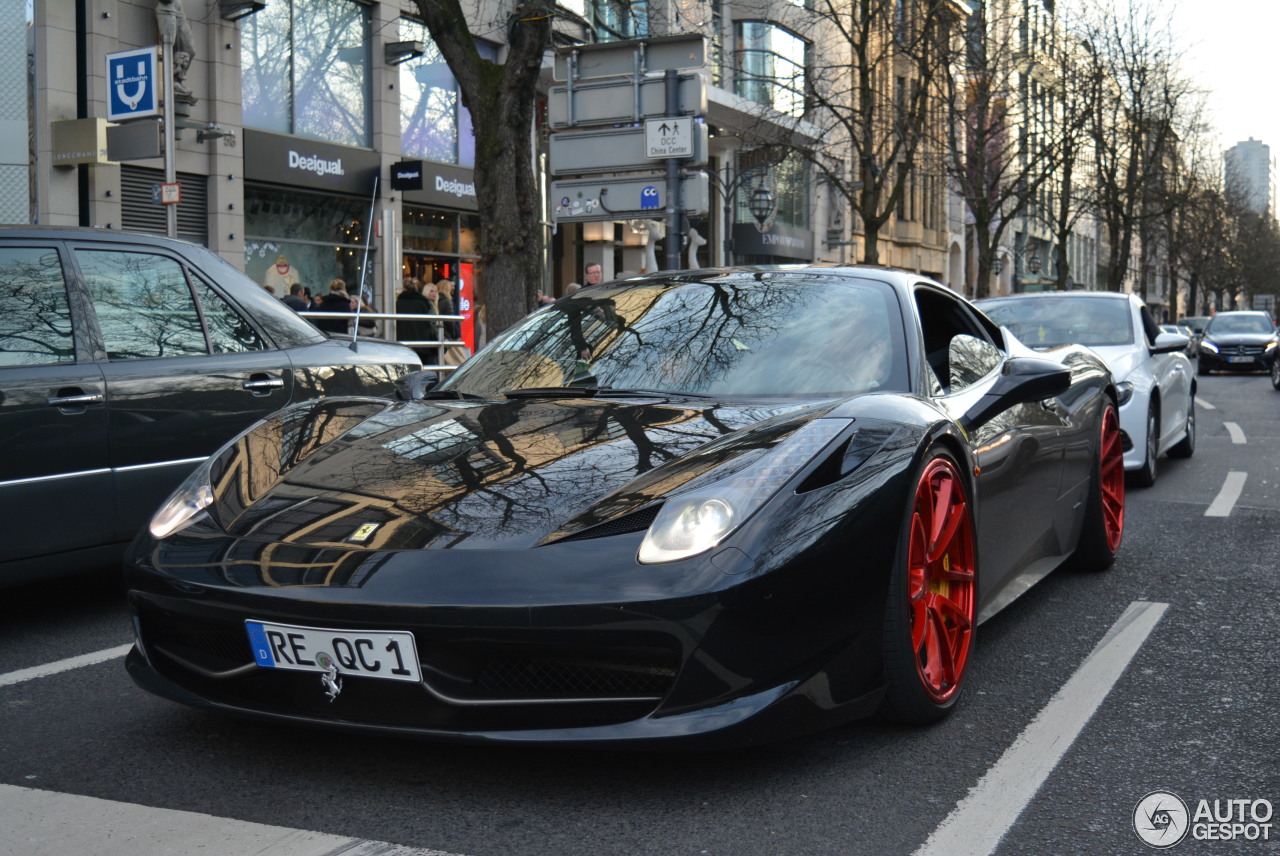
618 100
635 56
580 200
620 149
668 138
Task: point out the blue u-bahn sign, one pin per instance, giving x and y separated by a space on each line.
133 83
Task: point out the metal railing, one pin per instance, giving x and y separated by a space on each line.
393 317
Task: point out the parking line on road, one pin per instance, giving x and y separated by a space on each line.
981 819
1206 405
47 823
1226 498
63 665
1236 432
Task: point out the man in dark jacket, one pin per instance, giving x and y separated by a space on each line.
337 300
296 298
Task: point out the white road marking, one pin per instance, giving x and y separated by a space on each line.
980 820
1206 405
1236 432
63 665
47 823
1226 498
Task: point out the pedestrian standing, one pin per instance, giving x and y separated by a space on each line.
411 301
337 300
594 273
296 299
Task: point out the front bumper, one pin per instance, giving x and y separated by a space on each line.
706 654
1237 360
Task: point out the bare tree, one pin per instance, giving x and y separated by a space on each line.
501 99
863 111
1137 123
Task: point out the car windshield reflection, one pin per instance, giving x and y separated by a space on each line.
739 335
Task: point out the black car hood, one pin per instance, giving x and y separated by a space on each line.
1240 338
368 474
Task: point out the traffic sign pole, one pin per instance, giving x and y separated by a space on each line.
675 236
170 171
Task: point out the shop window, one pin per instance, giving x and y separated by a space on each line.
305 70
311 238
771 67
433 123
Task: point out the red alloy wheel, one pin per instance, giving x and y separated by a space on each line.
941 580
1111 469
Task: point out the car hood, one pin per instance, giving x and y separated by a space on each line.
1240 338
371 474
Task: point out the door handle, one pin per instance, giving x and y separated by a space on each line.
263 386
76 400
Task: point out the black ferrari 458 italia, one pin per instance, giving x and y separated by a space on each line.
714 507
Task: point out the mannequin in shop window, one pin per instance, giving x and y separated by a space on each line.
281 276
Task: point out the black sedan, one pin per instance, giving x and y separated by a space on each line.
125 360
714 507
1238 341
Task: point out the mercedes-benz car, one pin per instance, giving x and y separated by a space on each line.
125 360
713 507
1151 369
1237 341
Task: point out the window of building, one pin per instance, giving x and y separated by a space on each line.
789 183
615 19
433 123
310 238
771 66
305 70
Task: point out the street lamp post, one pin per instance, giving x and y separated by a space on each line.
762 203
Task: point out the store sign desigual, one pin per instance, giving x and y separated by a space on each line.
281 159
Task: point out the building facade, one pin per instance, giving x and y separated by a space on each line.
1250 171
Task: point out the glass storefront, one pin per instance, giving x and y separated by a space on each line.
312 238
440 244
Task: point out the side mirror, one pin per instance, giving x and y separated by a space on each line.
1022 379
1167 343
415 385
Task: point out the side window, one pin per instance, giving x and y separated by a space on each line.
229 332
35 317
144 305
956 347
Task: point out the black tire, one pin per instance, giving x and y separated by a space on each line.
1103 526
1275 372
1146 476
1186 447
923 681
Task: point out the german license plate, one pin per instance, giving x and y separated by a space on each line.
1239 359
391 655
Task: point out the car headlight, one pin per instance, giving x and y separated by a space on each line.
695 522
1124 392
1271 346
190 500
1205 343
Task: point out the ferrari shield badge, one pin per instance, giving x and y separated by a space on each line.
329 679
364 532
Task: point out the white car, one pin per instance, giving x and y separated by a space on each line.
1156 382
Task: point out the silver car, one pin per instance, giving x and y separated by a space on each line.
1155 380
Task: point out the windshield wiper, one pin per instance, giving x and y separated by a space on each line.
597 392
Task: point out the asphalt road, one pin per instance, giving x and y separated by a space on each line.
1192 713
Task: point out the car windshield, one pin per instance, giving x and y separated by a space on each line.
1232 323
761 333
1049 321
